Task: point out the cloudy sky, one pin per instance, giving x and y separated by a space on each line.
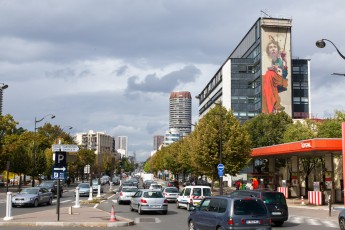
110 65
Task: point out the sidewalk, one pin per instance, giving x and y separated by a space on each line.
85 216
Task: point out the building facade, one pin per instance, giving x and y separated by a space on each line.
260 75
122 145
158 140
180 112
171 136
99 142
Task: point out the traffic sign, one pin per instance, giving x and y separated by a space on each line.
59 175
220 167
220 173
60 169
60 159
65 148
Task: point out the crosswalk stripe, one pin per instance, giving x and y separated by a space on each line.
296 219
312 221
330 224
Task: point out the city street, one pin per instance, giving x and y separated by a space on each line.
299 218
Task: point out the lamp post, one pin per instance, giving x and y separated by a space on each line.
35 133
321 44
2 87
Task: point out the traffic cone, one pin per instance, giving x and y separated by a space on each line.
302 201
112 214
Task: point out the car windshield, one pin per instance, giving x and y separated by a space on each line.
171 190
29 191
273 198
84 186
155 186
154 194
249 207
129 189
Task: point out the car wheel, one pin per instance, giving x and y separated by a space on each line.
36 203
50 201
177 205
140 212
119 201
191 225
278 223
342 223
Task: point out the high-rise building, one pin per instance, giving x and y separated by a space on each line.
157 141
100 142
122 145
171 136
260 75
180 112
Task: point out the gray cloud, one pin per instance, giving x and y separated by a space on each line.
165 84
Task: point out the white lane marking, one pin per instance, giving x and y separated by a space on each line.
310 221
330 224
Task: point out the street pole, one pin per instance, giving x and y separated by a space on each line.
220 154
34 155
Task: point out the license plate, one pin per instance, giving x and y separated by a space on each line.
155 206
276 213
252 222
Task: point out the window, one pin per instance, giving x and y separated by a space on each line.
249 207
223 203
213 206
187 192
204 205
197 192
206 192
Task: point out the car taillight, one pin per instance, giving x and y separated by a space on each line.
165 194
121 194
230 221
165 201
243 221
143 201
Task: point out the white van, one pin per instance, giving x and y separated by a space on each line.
191 196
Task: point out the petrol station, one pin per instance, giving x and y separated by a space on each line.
286 166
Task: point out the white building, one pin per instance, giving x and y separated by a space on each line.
122 145
171 136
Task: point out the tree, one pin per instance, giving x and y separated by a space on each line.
267 129
219 128
331 127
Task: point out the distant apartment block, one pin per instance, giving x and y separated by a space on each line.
158 140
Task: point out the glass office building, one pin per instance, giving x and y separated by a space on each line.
260 75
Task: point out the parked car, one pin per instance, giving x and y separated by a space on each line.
126 194
341 219
95 186
32 197
84 189
171 193
51 185
224 212
275 202
191 196
149 200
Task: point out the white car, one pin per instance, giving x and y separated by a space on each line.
155 186
126 194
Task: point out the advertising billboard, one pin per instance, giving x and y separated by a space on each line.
276 65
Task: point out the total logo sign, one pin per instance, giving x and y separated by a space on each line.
305 145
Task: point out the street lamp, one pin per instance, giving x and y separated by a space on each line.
2 87
35 133
321 44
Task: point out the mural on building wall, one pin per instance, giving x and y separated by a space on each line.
276 60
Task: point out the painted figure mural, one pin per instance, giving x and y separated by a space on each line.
275 79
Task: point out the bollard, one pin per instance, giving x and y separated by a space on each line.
90 193
77 204
99 191
302 201
8 206
329 205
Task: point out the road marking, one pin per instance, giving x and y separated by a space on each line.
330 224
312 221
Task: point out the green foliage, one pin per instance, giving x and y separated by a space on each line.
331 127
267 129
298 131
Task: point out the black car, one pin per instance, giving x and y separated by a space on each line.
224 212
51 185
275 202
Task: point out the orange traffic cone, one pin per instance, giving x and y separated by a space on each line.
302 201
112 214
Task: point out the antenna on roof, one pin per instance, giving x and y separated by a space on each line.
265 13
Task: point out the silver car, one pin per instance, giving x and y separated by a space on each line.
126 194
171 193
32 197
84 189
149 200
